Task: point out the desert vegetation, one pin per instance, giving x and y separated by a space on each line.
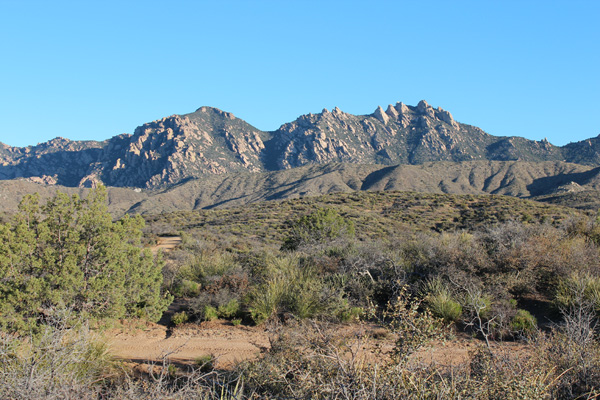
406 271
68 254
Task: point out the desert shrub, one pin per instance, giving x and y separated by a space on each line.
501 375
440 302
69 253
180 318
61 361
523 323
229 310
573 351
208 266
532 258
371 273
324 224
292 287
412 327
209 313
314 360
586 227
578 289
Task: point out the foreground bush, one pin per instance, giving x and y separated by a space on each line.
578 289
69 253
290 287
59 362
313 360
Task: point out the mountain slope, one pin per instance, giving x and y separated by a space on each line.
211 142
555 182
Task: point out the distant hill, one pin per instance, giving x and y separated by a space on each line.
210 143
557 182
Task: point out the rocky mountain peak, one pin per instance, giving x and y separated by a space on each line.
391 111
381 115
58 141
425 109
401 108
216 111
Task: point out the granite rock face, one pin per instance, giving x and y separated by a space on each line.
213 142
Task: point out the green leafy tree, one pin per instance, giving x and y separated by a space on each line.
69 253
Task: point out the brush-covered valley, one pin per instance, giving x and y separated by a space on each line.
362 295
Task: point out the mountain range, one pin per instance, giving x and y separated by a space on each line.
219 159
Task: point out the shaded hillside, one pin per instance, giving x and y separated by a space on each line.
545 181
211 142
520 179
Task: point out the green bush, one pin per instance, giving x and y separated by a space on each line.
180 318
266 299
294 288
442 306
205 363
69 253
210 313
351 314
478 304
187 288
523 323
578 289
229 310
208 265
440 302
324 224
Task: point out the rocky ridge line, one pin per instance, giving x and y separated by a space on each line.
209 142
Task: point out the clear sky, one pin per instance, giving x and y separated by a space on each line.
95 69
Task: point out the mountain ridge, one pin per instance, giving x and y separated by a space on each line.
210 142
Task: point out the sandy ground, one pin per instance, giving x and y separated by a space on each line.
230 344
227 343
166 243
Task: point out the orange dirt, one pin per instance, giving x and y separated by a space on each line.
166 243
230 344
227 343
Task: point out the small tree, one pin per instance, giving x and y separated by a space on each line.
69 253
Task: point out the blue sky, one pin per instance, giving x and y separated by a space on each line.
95 69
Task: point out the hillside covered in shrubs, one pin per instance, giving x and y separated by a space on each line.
419 267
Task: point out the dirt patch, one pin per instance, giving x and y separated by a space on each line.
166 243
227 343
